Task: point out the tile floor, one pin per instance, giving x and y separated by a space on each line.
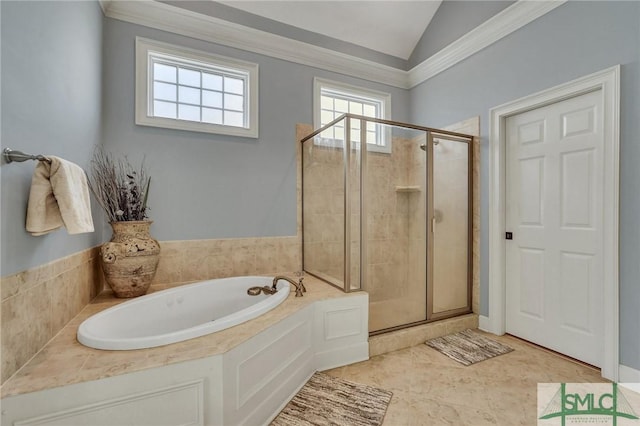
431 389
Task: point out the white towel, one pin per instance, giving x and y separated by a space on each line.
59 196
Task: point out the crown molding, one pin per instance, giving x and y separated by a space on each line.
501 25
104 5
173 19
180 21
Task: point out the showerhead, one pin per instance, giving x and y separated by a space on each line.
424 145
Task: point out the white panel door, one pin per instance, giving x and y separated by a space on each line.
554 208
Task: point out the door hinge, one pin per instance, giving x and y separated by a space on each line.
509 235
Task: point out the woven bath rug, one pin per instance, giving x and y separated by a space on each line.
326 400
468 347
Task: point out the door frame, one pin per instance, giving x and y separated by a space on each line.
608 81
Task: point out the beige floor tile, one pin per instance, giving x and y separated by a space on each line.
431 389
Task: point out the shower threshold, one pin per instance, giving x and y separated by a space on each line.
390 340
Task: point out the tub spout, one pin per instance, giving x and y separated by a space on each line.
298 285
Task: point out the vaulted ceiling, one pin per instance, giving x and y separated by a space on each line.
391 27
294 31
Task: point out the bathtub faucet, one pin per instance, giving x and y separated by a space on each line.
298 285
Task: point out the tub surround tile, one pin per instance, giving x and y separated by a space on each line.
60 292
169 266
80 262
38 303
11 285
195 260
65 361
26 327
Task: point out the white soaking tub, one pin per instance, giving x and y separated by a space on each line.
179 313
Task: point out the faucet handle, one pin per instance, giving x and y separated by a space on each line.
300 275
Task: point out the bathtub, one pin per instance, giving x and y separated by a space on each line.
179 313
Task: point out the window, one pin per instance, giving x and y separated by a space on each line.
184 89
332 99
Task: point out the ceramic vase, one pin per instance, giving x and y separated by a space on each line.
130 259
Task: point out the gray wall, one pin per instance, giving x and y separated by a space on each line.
51 95
576 39
210 186
453 20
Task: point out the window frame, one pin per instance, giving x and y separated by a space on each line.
355 92
149 51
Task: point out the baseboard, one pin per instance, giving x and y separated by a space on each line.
628 374
484 323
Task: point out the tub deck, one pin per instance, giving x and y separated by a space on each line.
64 361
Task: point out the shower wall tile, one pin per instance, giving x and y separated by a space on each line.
324 213
394 221
391 224
39 302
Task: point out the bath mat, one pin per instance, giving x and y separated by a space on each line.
468 347
327 400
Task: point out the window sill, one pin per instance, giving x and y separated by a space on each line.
191 126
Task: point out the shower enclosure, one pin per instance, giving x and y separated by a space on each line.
387 209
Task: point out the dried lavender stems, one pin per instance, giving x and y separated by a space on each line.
120 190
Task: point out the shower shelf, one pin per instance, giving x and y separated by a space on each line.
408 188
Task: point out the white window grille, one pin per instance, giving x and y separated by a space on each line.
332 99
184 89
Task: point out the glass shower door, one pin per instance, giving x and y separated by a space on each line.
449 292
394 212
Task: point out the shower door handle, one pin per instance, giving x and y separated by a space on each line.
433 224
